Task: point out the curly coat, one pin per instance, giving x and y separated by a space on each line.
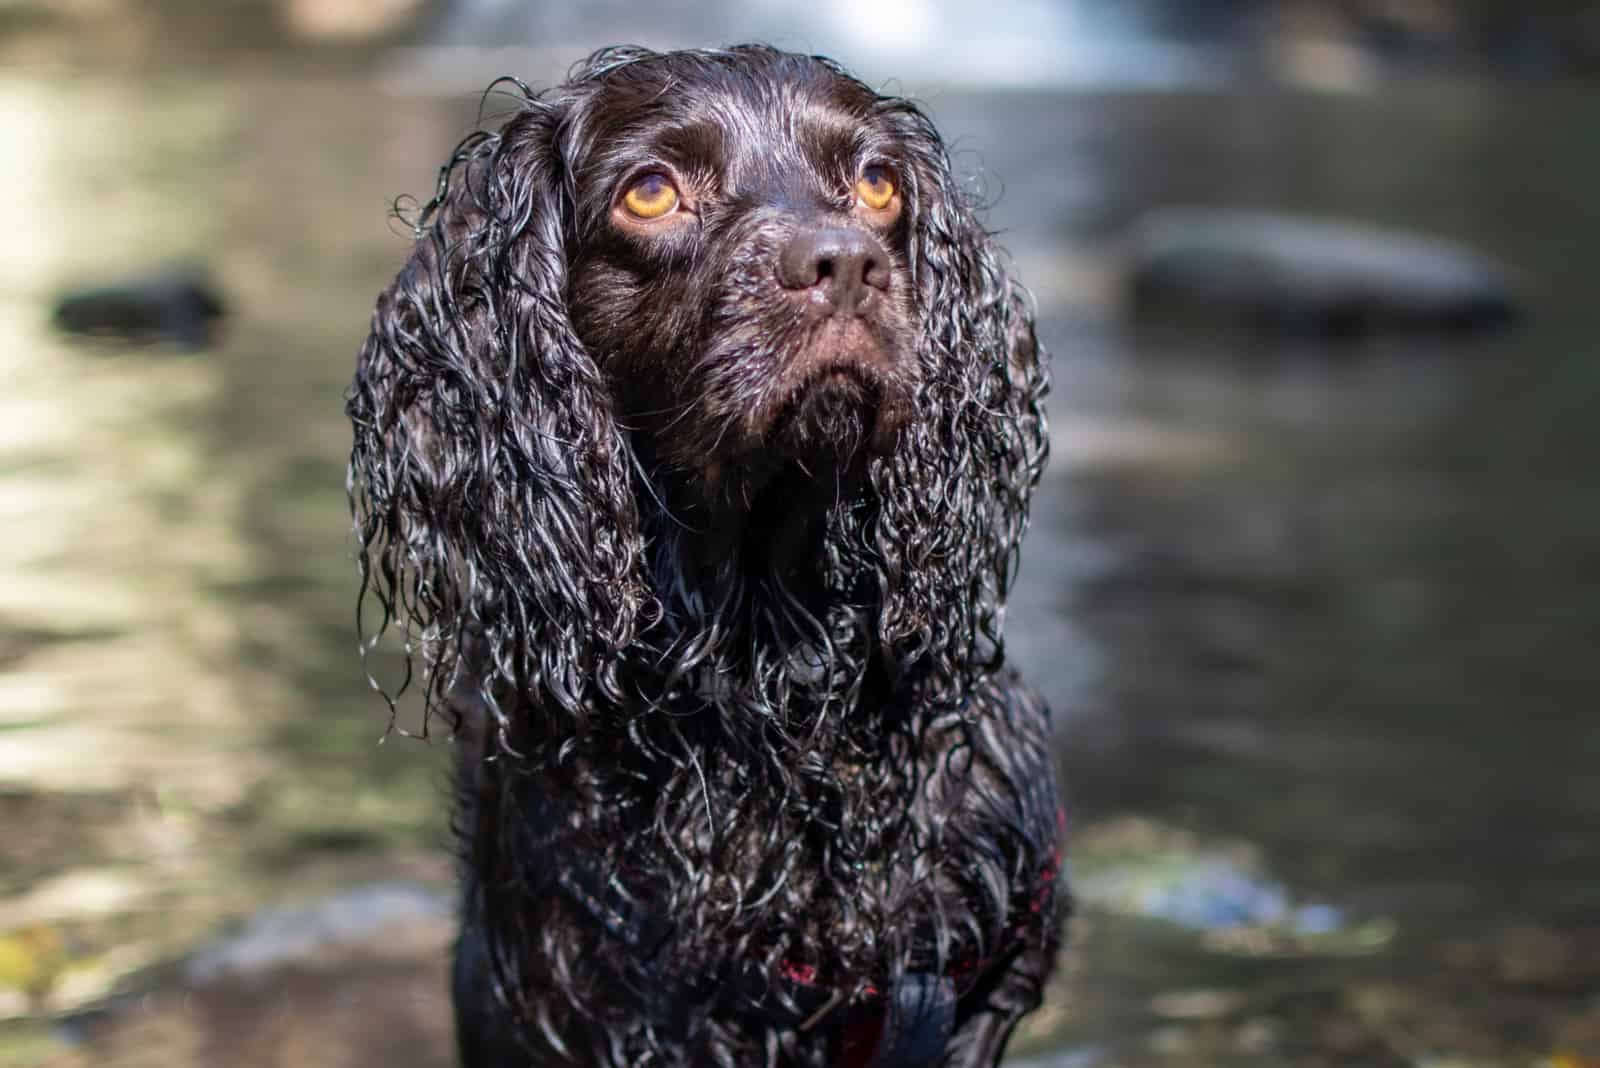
711 582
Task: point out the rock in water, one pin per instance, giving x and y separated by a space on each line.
177 305
1282 273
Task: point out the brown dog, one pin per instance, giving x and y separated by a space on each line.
693 448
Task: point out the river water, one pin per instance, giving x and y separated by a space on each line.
1327 612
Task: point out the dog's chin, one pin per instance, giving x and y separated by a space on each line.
830 420
842 403
839 400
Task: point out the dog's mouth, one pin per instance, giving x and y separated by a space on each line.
839 395
833 385
838 411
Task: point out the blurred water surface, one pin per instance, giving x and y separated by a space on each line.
1335 607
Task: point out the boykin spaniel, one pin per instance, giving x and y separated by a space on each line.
693 448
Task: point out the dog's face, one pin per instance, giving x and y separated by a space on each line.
741 272
701 362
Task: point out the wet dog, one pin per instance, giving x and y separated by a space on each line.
693 449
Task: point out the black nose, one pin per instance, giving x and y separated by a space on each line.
840 266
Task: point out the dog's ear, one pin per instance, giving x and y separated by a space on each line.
954 496
489 479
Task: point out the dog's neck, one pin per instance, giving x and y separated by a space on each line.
746 523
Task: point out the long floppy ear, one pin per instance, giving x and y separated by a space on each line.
955 495
488 479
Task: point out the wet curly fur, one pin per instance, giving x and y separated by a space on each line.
711 584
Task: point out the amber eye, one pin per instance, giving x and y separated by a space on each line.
651 197
875 188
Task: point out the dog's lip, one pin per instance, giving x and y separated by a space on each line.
838 367
843 356
849 346
835 370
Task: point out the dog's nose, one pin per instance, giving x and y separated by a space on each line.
839 266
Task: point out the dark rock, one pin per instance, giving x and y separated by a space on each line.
1284 274
173 305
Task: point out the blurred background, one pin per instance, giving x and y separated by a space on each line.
1312 585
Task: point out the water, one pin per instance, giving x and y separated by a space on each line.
1339 604
1327 612
1056 43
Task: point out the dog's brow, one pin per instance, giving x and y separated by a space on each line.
694 142
786 147
829 134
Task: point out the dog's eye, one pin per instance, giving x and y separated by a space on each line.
651 197
875 188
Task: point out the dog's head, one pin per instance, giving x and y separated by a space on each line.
741 269
677 291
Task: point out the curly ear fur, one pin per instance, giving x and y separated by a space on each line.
489 479
954 497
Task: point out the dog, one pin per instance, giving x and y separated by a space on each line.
693 448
